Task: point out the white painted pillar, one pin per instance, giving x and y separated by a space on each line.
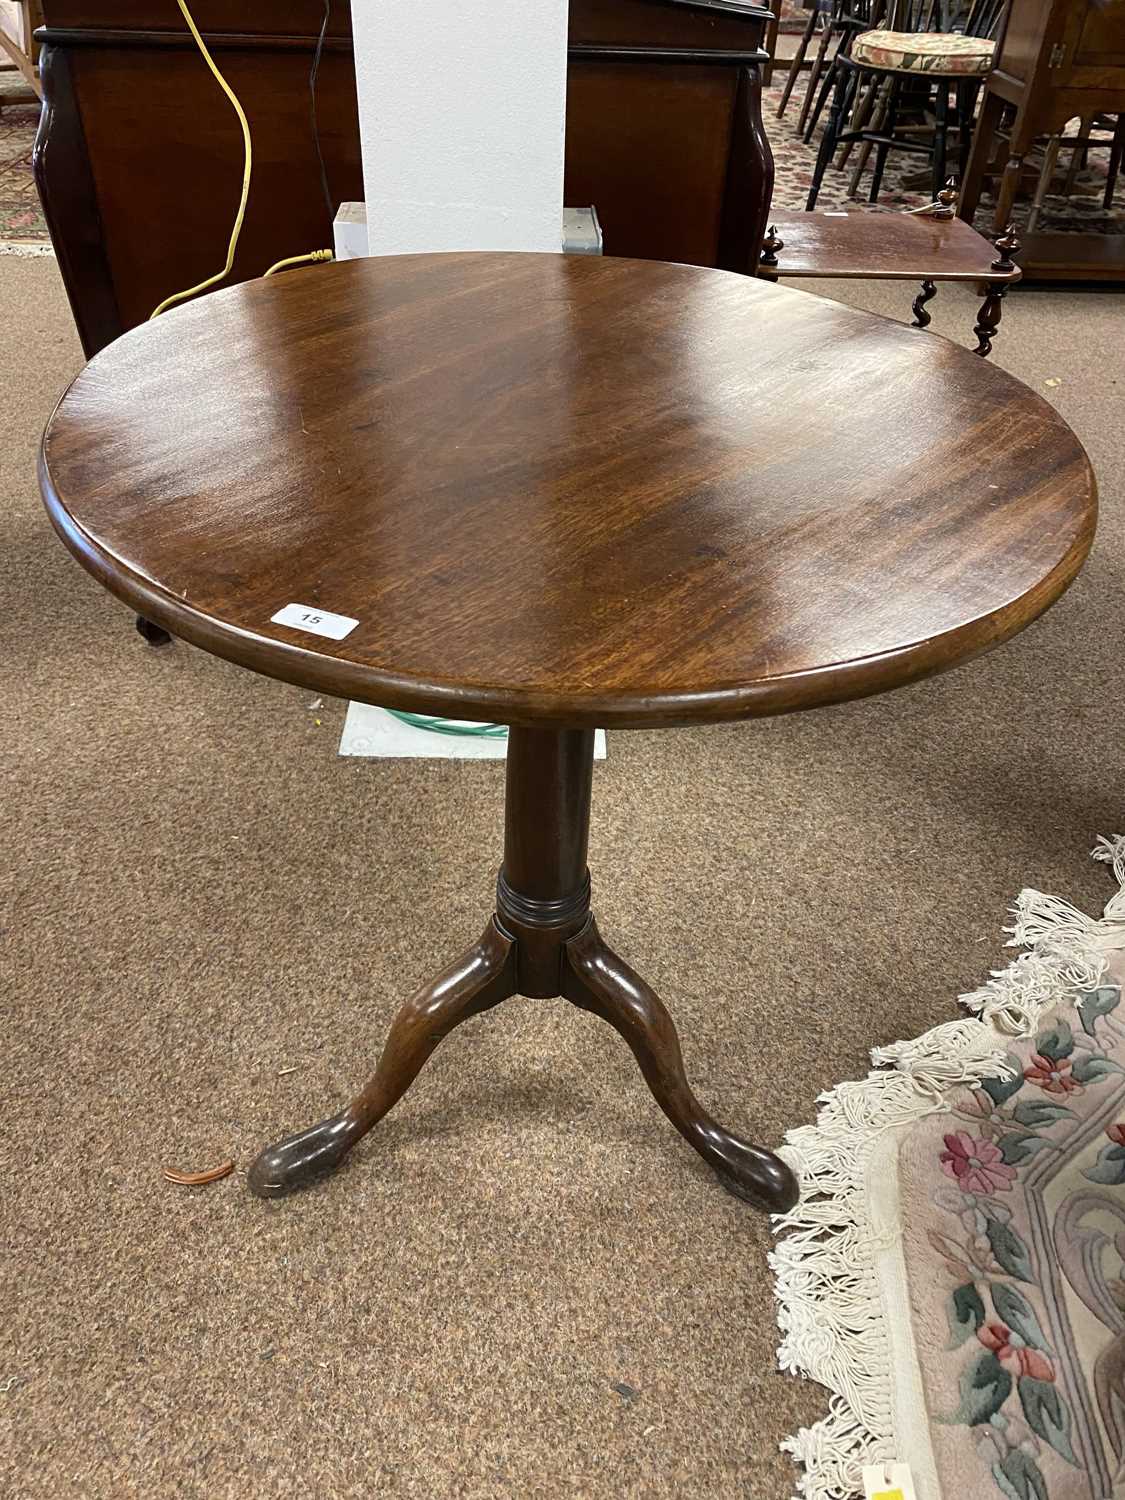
461 115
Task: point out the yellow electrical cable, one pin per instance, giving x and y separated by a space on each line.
312 258
242 120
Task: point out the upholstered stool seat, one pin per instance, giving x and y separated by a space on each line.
937 52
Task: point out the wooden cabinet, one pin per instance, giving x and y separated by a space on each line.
1058 59
139 156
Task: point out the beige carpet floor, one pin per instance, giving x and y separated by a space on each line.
198 895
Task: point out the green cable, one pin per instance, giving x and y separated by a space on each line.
449 726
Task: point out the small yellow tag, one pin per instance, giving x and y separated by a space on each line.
888 1482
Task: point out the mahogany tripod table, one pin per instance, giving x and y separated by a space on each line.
560 492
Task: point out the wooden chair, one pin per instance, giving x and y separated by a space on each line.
772 29
1111 136
846 20
820 11
23 49
912 63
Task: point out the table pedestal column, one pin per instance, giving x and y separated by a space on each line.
542 942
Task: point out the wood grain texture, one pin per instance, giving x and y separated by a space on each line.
566 490
885 247
713 20
749 185
667 23
283 17
664 137
180 196
693 129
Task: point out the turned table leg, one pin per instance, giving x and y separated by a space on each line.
922 318
988 318
541 943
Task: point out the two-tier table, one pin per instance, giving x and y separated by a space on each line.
558 493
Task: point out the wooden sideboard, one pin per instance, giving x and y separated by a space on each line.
138 157
1058 59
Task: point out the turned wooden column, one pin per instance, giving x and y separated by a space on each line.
543 891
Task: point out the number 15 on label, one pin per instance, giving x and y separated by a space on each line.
315 621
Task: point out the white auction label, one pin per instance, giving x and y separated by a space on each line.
315 621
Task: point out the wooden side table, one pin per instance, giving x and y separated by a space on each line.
560 492
896 247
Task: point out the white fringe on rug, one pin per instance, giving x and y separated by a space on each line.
830 1311
26 248
1066 950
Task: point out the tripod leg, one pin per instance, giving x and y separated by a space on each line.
595 979
475 982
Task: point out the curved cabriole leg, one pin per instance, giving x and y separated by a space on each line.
595 979
476 982
922 318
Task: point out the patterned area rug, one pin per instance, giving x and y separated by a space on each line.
21 218
955 1272
793 18
1079 212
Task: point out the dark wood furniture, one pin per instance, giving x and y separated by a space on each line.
1096 131
139 156
819 11
843 19
650 516
846 19
1058 59
896 247
878 94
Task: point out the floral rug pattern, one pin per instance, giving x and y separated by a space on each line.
954 1272
793 19
1016 1220
21 217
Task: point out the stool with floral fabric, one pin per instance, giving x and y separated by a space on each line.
910 69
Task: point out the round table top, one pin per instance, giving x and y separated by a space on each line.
565 490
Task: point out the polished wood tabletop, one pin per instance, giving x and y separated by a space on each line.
558 491
886 247
566 490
